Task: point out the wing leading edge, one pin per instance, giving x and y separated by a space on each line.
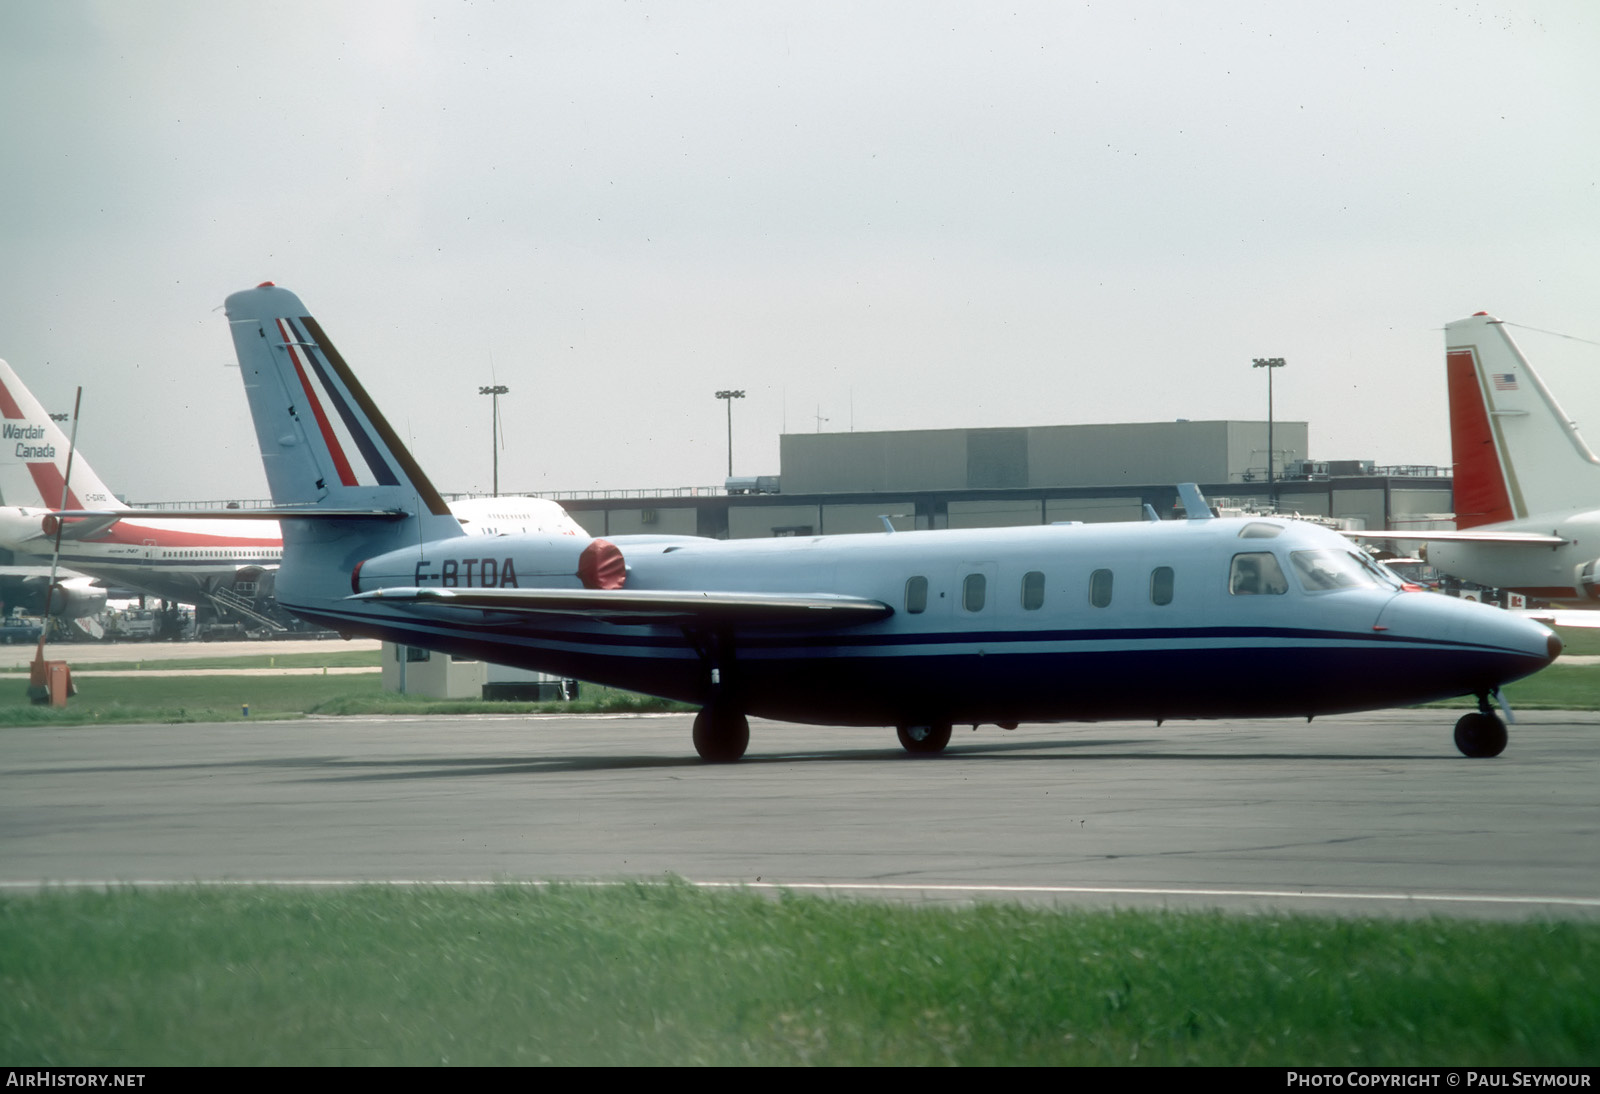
1527 539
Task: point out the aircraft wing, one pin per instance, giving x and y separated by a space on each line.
41 570
1562 617
43 525
652 606
1527 539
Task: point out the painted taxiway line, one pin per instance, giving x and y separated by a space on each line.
824 887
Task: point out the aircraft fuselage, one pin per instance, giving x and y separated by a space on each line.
1052 623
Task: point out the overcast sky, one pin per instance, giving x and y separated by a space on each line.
891 215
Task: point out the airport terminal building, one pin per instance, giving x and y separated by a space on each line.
832 483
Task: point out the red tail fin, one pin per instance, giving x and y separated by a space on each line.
1480 480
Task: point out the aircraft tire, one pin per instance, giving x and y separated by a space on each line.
923 740
1480 736
721 736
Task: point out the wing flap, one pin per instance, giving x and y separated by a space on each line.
621 606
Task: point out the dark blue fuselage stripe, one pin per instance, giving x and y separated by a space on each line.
369 451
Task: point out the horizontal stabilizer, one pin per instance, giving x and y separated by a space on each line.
86 525
1527 539
653 606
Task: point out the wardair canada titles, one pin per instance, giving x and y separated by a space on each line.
22 434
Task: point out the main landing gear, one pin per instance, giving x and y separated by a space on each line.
721 735
924 740
1481 734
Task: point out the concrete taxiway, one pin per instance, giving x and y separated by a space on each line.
1363 814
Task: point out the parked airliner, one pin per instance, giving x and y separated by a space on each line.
227 564
1527 486
1201 617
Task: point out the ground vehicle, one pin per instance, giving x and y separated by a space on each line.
16 630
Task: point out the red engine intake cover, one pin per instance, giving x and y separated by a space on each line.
601 566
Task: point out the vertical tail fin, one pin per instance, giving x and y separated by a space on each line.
1516 452
323 440
325 444
33 456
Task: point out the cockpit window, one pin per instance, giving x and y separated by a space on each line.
1256 574
1258 530
1331 568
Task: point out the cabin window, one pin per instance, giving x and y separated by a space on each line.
972 592
1100 588
917 595
1161 585
1256 574
1330 568
1032 591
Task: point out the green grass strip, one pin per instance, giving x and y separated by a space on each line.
668 974
1579 641
337 655
1559 687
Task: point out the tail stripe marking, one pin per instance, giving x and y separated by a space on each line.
47 477
49 480
355 427
8 405
380 425
340 463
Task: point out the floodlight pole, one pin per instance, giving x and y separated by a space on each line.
728 397
494 392
1269 363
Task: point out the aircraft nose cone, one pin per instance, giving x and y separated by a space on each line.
1499 645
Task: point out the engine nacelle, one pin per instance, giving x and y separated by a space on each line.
503 562
1588 581
71 598
253 582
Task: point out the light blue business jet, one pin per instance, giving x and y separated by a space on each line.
1193 618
